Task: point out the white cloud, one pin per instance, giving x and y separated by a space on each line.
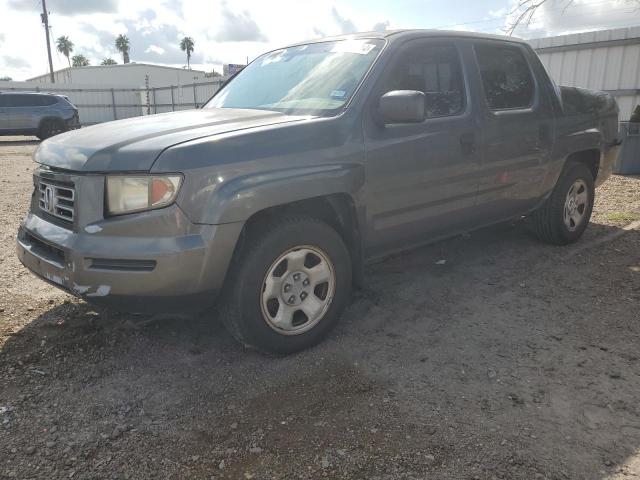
238 27
499 13
67 7
230 31
346 24
224 31
155 49
381 26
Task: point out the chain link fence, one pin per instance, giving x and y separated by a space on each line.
103 104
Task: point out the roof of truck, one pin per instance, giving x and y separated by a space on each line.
20 92
395 35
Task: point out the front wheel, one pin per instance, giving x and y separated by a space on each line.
563 218
288 285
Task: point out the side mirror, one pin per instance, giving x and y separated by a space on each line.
402 106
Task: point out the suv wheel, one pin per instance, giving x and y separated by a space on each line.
49 128
565 215
288 287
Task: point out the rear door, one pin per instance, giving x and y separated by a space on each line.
4 111
517 130
20 110
27 110
421 178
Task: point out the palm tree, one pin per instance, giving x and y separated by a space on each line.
65 47
108 61
186 45
79 61
122 45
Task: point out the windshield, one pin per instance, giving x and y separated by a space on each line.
315 79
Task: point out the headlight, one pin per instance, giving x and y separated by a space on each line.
134 193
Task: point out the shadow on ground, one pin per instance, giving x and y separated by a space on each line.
510 360
18 143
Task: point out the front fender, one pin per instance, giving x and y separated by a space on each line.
238 199
230 177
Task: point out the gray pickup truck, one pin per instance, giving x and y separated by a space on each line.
313 160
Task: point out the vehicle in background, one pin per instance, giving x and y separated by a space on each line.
313 160
41 114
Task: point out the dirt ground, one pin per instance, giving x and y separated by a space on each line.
512 360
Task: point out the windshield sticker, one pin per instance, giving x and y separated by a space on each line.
359 47
274 57
338 93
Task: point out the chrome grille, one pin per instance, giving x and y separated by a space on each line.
56 200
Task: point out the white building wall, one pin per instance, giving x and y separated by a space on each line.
131 74
605 60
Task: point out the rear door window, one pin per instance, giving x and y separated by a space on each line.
23 100
506 77
11 100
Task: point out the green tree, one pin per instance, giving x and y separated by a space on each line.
108 61
122 45
79 61
65 47
186 45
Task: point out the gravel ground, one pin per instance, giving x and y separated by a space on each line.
512 360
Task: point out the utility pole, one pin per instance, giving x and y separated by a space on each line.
45 19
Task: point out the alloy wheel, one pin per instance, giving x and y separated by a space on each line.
297 290
576 205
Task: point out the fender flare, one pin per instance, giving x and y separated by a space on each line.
242 197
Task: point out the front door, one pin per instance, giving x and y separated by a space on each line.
421 177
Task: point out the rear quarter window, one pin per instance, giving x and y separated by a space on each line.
45 101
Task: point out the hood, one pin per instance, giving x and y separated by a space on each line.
134 144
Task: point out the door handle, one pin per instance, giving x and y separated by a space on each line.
468 143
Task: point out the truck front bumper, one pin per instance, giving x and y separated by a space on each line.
146 273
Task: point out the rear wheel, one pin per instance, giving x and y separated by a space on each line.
565 215
51 127
288 286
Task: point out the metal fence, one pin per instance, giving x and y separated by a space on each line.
103 104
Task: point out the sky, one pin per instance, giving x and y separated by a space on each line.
230 31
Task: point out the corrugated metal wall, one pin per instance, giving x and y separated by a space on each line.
605 60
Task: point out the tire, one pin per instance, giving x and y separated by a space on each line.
293 254
50 128
550 221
